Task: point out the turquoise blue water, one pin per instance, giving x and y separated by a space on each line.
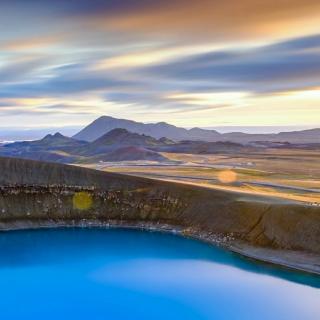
126 274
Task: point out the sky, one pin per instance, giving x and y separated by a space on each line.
202 63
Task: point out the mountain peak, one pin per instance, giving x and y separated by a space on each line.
55 136
162 123
113 134
118 131
105 118
59 135
123 136
197 130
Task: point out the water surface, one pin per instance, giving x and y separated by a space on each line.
126 274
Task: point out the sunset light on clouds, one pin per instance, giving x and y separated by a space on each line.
191 63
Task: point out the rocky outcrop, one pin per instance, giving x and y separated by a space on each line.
38 192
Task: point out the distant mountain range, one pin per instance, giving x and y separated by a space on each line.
105 124
110 139
116 145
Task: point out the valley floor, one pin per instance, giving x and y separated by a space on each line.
286 174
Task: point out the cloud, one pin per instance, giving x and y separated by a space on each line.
296 44
110 21
216 20
187 82
273 67
82 7
21 68
31 43
162 57
64 83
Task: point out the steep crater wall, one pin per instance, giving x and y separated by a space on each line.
36 192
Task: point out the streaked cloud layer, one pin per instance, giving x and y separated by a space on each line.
192 63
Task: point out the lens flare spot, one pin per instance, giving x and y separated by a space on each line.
227 176
82 201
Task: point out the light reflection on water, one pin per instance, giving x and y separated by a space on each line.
126 274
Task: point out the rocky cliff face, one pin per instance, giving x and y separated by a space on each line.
38 192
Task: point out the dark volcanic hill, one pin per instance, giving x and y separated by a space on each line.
105 124
120 138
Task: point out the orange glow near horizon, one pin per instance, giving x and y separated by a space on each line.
190 63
